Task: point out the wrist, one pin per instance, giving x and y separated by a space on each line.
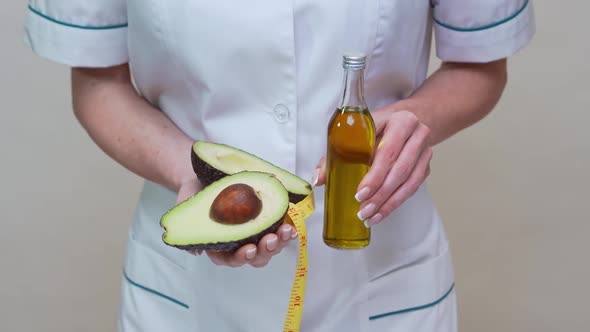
423 108
180 171
413 104
181 181
181 176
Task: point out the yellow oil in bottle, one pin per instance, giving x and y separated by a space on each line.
351 142
350 150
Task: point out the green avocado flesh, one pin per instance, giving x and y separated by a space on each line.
212 161
189 224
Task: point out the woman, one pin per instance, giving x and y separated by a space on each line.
150 77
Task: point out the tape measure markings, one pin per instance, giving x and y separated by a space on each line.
297 214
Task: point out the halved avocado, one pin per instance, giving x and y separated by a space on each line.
212 161
195 223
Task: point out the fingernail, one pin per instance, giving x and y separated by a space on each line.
286 233
294 235
374 220
250 253
316 177
272 243
366 222
365 212
362 194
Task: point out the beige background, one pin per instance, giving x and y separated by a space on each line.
513 192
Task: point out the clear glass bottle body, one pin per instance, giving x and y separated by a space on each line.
350 150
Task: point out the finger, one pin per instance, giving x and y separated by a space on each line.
405 191
398 174
395 136
319 176
272 244
266 248
243 255
284 233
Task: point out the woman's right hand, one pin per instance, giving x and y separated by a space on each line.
255 255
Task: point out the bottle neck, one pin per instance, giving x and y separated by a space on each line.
353 89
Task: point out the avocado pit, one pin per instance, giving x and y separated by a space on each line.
236 204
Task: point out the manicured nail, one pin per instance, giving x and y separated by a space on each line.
250 253
286 233
294 235
365 212
362 194
272 243
374 220
366 222
316 177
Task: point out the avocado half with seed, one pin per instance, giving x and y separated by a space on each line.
213 161
233 211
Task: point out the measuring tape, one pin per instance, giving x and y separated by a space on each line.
296 217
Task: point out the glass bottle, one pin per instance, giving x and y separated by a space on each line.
350 150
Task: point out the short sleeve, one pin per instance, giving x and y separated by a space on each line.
481 30
81 33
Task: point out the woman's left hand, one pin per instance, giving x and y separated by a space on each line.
400 165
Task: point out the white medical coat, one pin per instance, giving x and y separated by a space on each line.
265 76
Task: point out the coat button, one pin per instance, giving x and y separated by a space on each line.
281 113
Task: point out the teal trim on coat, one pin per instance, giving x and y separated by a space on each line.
171 299
71 25
484 27
422 307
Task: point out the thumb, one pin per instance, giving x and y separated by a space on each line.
319 176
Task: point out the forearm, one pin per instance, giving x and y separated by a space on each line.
129 129
456 96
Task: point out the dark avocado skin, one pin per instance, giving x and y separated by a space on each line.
207 175
235 245
295 198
